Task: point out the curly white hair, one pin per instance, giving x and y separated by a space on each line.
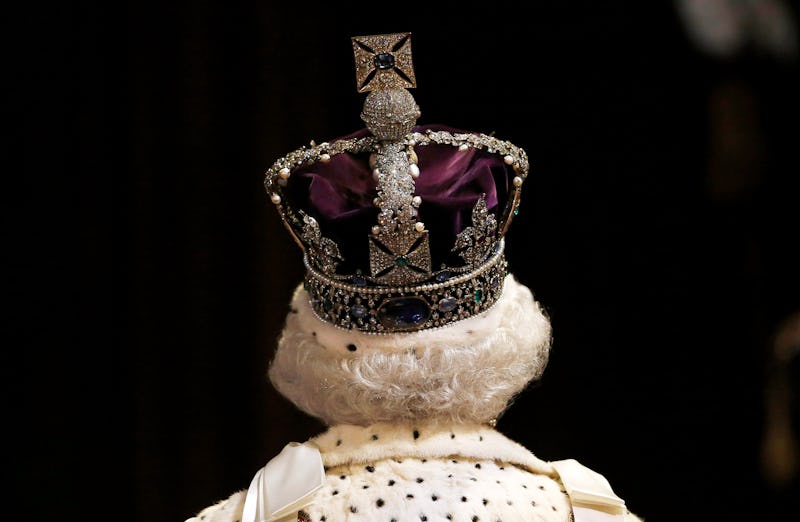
466 372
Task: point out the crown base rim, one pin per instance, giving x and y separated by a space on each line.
388 310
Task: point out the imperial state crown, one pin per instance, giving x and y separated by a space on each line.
402 226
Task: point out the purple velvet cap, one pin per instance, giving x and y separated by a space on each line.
339 194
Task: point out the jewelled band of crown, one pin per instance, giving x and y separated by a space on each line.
385 310
399 252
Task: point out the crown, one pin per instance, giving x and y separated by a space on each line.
402 226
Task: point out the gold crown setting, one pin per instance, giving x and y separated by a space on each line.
399 289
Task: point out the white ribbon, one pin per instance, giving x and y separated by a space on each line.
591 495
285 484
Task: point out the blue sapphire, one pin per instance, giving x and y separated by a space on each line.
442 276
448 304
359 280
358 311
383 61
399 313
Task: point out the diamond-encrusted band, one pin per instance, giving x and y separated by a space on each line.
381 309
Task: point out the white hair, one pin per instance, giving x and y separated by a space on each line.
465 372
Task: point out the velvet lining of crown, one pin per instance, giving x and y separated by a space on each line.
339 194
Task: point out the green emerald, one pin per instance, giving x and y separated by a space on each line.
401 261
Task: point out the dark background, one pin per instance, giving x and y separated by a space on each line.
658 230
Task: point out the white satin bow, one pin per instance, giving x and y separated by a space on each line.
284 485
591 495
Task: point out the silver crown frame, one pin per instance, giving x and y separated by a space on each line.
401 291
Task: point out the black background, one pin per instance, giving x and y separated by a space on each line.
657 230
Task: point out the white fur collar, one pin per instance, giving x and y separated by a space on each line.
348 444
